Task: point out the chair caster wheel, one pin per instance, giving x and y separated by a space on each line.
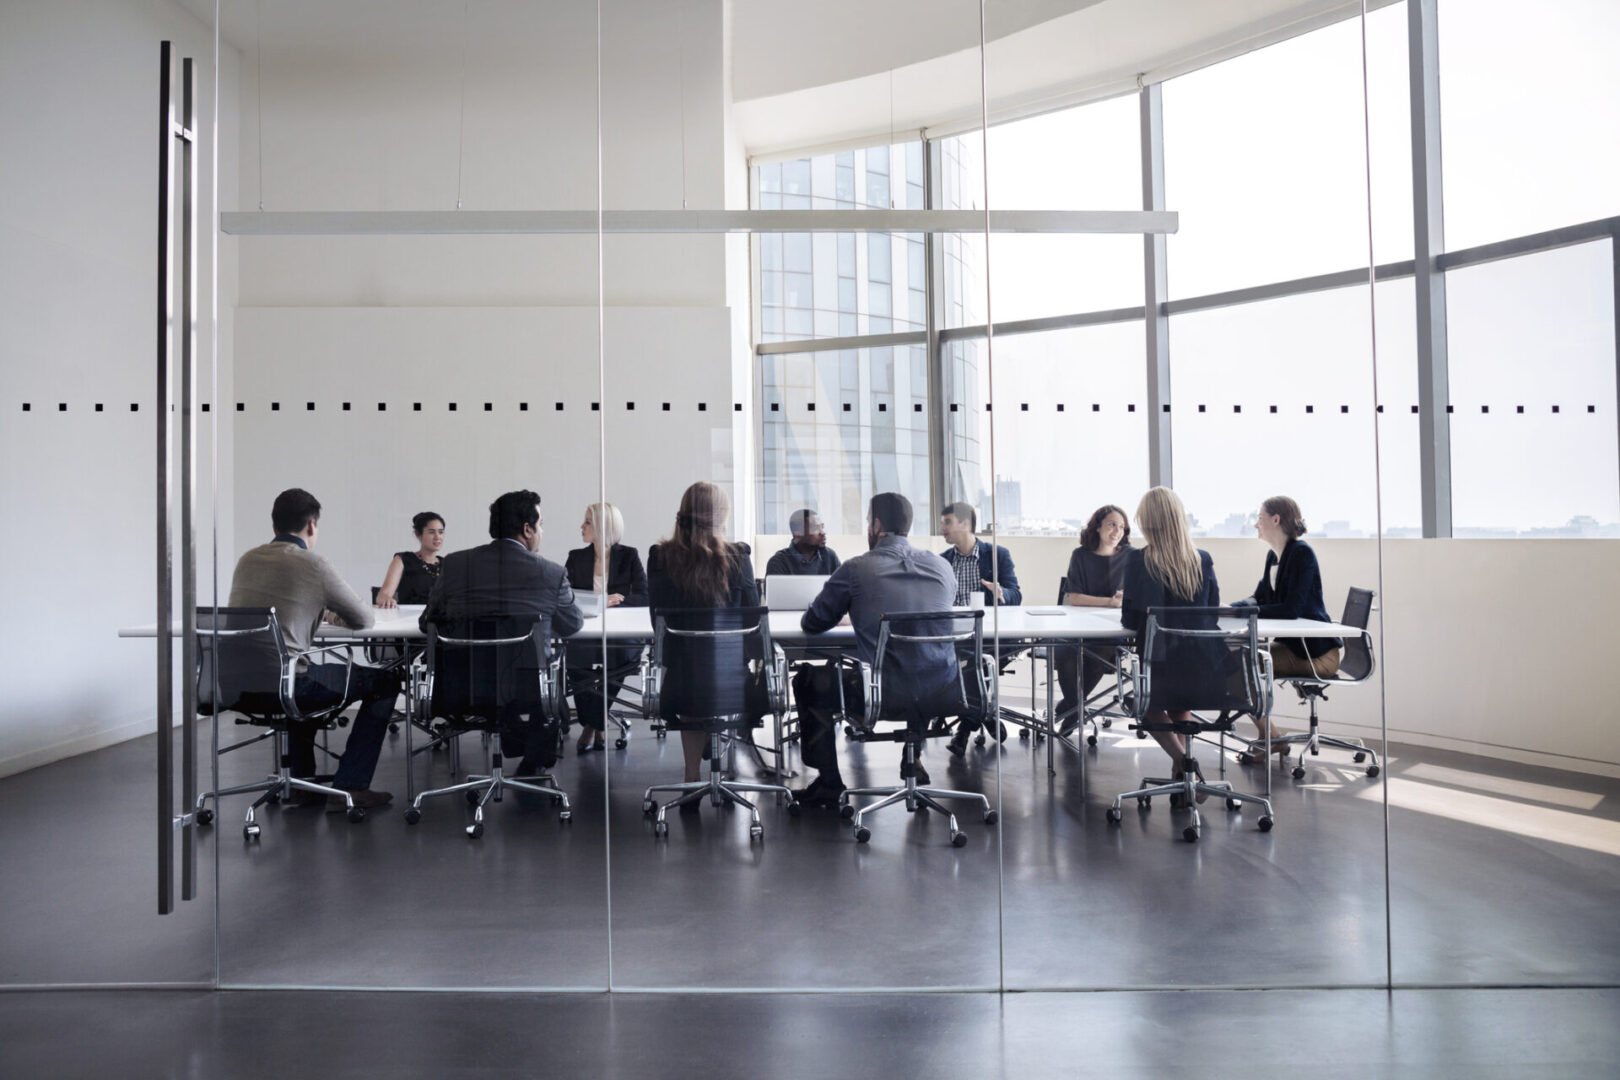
476 829
1107 723
565 816
356 815
1359 758
1234 804
472 797
1246 759
412 816
1299 772
846 811
1114 816
1264 823
959 839
1023 734
660 828
1144 802
393 729
756 832
1316 751
1091 740
794 809
205 817
1372 770
649 806
620 743
862 834
991 817
849 731
250 831
1190 834
1178 801
979 741
1141 734
272 798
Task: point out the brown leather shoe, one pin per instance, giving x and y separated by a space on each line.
364 799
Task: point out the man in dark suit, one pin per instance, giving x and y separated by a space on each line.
505 588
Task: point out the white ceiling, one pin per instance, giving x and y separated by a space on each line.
816 73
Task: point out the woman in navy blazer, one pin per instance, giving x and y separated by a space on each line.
620 579
1168 572
1295 593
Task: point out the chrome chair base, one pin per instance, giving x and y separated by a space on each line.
1312 740
484 788
274 788
915 798
719 791
1188 787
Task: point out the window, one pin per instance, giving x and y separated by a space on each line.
1535 332
1264 159
1070 427
1086 158
840 284
864 434
1529 96
1275 398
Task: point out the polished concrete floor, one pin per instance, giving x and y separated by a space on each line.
1350 1034
1501 875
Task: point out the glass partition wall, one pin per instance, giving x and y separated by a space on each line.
467 250
789 368
1198 361
408 380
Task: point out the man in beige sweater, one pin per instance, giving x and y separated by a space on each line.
303 587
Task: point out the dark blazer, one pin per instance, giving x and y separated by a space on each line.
502 580
625 575
1191 673
1297 595
662 593
995 557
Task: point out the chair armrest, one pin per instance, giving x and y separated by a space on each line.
289 677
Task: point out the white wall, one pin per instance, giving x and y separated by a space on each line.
1498 647
78 193
489 319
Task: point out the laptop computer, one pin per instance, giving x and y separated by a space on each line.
792 592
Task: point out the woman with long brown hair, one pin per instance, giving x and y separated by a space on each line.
1166 571
696 567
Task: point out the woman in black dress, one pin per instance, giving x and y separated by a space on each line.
613 571
1096 578
698 568
411 575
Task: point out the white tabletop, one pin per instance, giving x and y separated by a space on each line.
1016 624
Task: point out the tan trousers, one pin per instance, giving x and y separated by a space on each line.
1286 663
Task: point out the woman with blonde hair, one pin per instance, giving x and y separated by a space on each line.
613 571
696 567
1167 571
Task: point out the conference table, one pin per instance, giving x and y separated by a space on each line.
1005 629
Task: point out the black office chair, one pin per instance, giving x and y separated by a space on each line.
713 670
1355 665
245 667
1188 662
623 663
893 696
483 679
